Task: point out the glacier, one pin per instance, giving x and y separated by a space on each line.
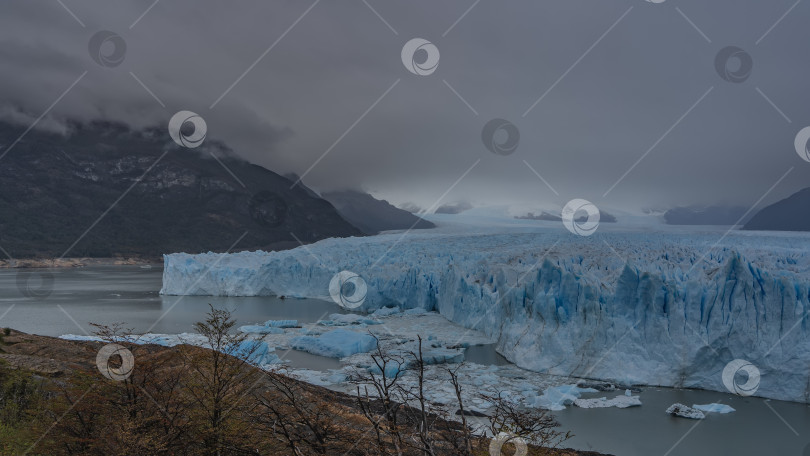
663 306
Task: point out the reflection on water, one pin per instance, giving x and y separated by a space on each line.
303 360
758 427
109 294
486 355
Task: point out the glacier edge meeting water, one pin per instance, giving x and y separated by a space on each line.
668 309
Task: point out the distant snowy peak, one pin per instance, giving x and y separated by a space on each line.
707 215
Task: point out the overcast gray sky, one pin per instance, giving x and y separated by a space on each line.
617 75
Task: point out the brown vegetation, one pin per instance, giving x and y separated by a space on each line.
189 400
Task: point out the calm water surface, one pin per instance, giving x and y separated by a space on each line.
108 294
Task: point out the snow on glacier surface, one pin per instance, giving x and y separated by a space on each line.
667 306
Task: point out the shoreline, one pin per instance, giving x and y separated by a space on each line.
34 263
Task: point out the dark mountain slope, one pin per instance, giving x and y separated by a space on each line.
790 214
372 215
54 188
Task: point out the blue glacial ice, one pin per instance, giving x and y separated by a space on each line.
405 360
347 320
338 343
260 329
253 351
556 398
714 408
269 327
629 304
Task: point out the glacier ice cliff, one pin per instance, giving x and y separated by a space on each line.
628 305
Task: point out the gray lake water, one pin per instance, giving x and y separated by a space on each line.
72 298
109 294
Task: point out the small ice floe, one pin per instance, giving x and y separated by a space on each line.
556 398
260 329
338 343
608 387
385 312
269 327
685 412
602 402
347 320
282 323
166 340
430 357
256 352
714 408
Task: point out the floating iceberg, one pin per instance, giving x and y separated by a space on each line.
260 329
269 327
385 312
558 397
347 320
282 323
404 360
256 352
714 408
338 343
684 411
603 402
625 305
253 351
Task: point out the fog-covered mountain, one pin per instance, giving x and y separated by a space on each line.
604 217
790 214
371 215
113 191
454 208
706 215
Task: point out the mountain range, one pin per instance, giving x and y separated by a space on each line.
371 215
107 190
789 214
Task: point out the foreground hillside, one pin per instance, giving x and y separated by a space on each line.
193 401
117 192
